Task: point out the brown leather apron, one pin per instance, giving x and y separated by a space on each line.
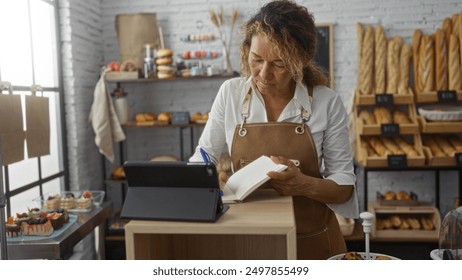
318 232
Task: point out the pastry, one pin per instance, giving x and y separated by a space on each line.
404 63
118 172
85 200
164 53
164 61
426 223
56 219
13 229
455 82
352 256
416 38
165 72
382 258
395 221
441 64
380 59
196 116
68 201
38 226
164 117
389 195
52 202
402 195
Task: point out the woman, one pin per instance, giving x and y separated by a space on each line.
283 109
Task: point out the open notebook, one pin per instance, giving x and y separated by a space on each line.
249 178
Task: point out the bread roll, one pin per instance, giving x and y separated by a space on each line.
434 148
380 59
416 38
393 53
389 195
455 82
441 60
402 195
367 62
367 117
404 63
426 223
404 224
428 73
445 146
414 223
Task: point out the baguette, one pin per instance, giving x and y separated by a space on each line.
400 117
423 43
404 63
447 28
434 148
408 149
382 115
456 142
428 74
359 35
441 60
379 147
370 151
454 64
392 146
416 38
443 143
380 59
366 117
367 62
393 54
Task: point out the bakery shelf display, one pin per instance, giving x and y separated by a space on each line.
416 223
442 149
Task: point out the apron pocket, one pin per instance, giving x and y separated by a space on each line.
314 245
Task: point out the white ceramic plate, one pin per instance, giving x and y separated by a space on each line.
372 256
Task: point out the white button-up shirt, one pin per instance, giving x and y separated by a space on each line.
328 125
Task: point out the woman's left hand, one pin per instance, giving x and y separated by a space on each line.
287 182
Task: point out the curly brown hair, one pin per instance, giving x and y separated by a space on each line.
291 31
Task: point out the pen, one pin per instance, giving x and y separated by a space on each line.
204 155
206 159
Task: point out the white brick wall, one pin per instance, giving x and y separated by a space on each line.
90 41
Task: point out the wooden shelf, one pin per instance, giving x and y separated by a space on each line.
141 80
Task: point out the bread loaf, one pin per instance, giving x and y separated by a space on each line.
416 38
404 63
441 49
395 221
428 74
380 59
455 82
393 53
367 62
408 149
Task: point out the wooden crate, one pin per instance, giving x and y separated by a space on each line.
432 97
376 129
361 99
365 160
384 212
439 127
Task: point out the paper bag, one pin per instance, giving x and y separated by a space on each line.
38 126
134 31
11 129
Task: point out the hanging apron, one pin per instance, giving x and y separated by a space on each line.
318 232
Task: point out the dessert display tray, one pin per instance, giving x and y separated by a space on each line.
56 233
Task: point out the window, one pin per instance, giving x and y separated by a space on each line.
29 56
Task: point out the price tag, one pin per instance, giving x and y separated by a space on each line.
384 99
447 96
390 129
458 157
397 161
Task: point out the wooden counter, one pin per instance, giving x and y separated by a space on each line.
263 227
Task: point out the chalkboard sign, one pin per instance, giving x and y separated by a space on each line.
325 49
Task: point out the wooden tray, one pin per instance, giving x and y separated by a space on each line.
432 97
439 127
370 99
